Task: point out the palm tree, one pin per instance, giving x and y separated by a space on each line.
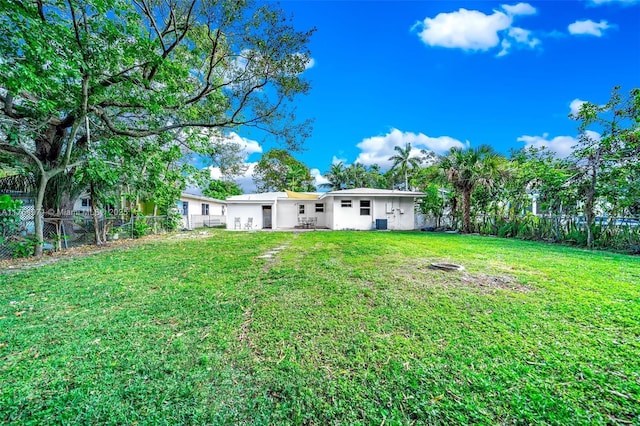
466 169
376 178
336 176
357 176
403 161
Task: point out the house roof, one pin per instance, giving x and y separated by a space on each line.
262 196
372 192
201 198
272 197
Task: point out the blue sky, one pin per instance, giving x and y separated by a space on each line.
456 73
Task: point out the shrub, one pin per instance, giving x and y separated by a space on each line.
24 247
140 228
9 216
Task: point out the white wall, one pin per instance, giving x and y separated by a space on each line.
244 212
349 217
397 211
287 215
195 206
329 211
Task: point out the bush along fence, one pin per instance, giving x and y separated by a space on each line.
619 234
60 233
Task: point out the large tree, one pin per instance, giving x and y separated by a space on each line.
221 189
77 72
403 161
608 153
278 170
336 176
468 168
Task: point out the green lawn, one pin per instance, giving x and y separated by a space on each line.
337 328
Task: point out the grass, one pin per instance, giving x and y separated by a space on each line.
337 328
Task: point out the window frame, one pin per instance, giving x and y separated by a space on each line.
365 210
205 209
319 208
301 209
346 204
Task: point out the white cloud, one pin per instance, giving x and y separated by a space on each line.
310 64
245 181
378 149
523 36
336 160
519 9
575 106
473 30
248 146
309 61
603 2
588 27
561 145
318 179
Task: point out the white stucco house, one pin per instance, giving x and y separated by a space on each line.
198 211
357 209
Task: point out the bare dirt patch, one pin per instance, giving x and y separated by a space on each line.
493 282
14 265
459 278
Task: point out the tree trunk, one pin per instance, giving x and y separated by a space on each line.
466 212
588 212
39 214
94 215
66 214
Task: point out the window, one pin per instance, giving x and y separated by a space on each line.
301 209
185 208
319 208
205 209
365 208
85 202
345 203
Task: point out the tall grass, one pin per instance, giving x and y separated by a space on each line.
564 230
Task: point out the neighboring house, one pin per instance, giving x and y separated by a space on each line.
27 211
198 211
82 205
359 209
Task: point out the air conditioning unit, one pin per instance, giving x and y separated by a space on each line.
381 223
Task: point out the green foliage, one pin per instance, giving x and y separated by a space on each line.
342 328
403 160
467 169
105 83
433 201
278 170
608 153
355 175
140 227
221 189
174 220
9 216
23 246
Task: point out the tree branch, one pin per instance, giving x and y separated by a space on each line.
149 13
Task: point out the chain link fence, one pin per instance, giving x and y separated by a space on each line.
62 233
